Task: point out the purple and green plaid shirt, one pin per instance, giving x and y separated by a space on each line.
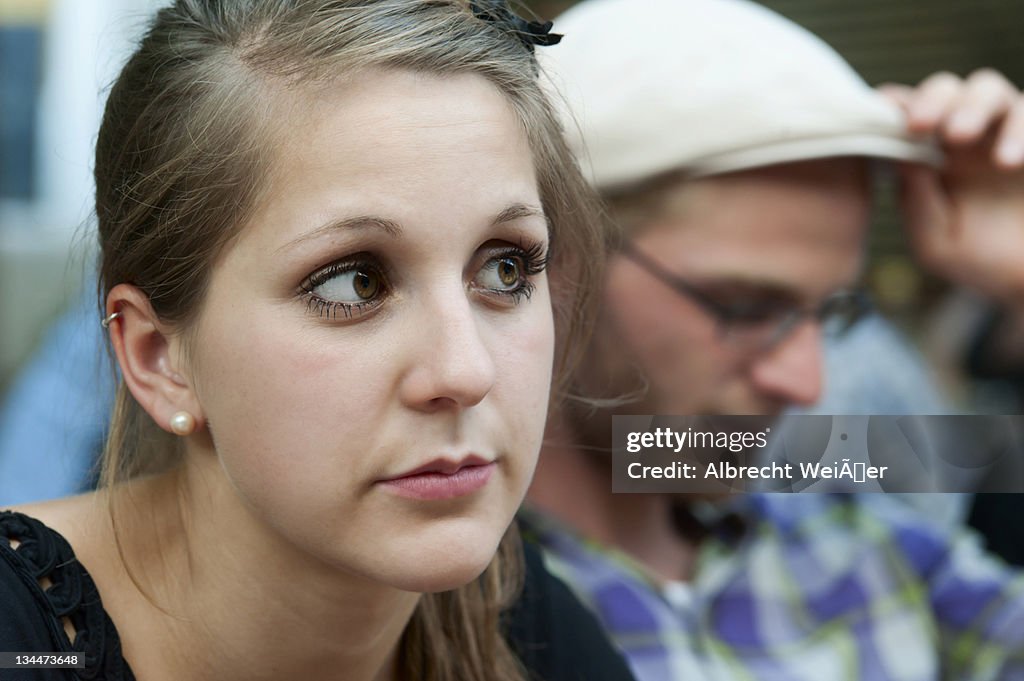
818 587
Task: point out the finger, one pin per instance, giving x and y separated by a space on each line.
984 100
926 215
1009 147
932 100
897 93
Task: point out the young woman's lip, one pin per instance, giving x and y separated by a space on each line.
443 466
429 483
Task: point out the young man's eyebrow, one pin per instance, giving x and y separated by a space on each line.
743 287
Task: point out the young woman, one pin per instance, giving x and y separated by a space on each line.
344 253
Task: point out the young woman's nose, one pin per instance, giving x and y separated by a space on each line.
453 365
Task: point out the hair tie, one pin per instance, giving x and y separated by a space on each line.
529 33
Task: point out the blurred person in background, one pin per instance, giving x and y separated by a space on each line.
53 418
737 152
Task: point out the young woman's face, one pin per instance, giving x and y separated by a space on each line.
374 354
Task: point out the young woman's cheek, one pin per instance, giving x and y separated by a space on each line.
525 355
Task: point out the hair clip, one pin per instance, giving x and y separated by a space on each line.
529 33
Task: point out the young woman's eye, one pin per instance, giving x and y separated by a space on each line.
344 289
509 273
353 286
502 274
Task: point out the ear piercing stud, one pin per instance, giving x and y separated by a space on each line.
183 423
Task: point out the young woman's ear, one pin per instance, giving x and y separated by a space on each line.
149 362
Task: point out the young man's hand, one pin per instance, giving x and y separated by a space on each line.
966 220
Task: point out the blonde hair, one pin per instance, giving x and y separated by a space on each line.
180 165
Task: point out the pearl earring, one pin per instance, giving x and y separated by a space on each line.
183 423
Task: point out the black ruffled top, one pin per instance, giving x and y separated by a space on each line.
552 633
30 618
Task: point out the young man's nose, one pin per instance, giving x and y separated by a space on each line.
792 370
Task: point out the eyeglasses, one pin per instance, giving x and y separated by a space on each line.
755 326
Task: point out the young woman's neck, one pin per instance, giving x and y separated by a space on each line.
232 600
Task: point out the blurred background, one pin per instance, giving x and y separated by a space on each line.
57 57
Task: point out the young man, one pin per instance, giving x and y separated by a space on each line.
736 152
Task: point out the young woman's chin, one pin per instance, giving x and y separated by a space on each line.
440 559
446 578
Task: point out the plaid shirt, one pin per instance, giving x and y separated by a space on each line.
817 587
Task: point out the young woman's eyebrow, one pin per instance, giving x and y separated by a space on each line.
512 212
358 223
519 210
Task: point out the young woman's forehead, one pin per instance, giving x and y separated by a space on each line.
400 148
